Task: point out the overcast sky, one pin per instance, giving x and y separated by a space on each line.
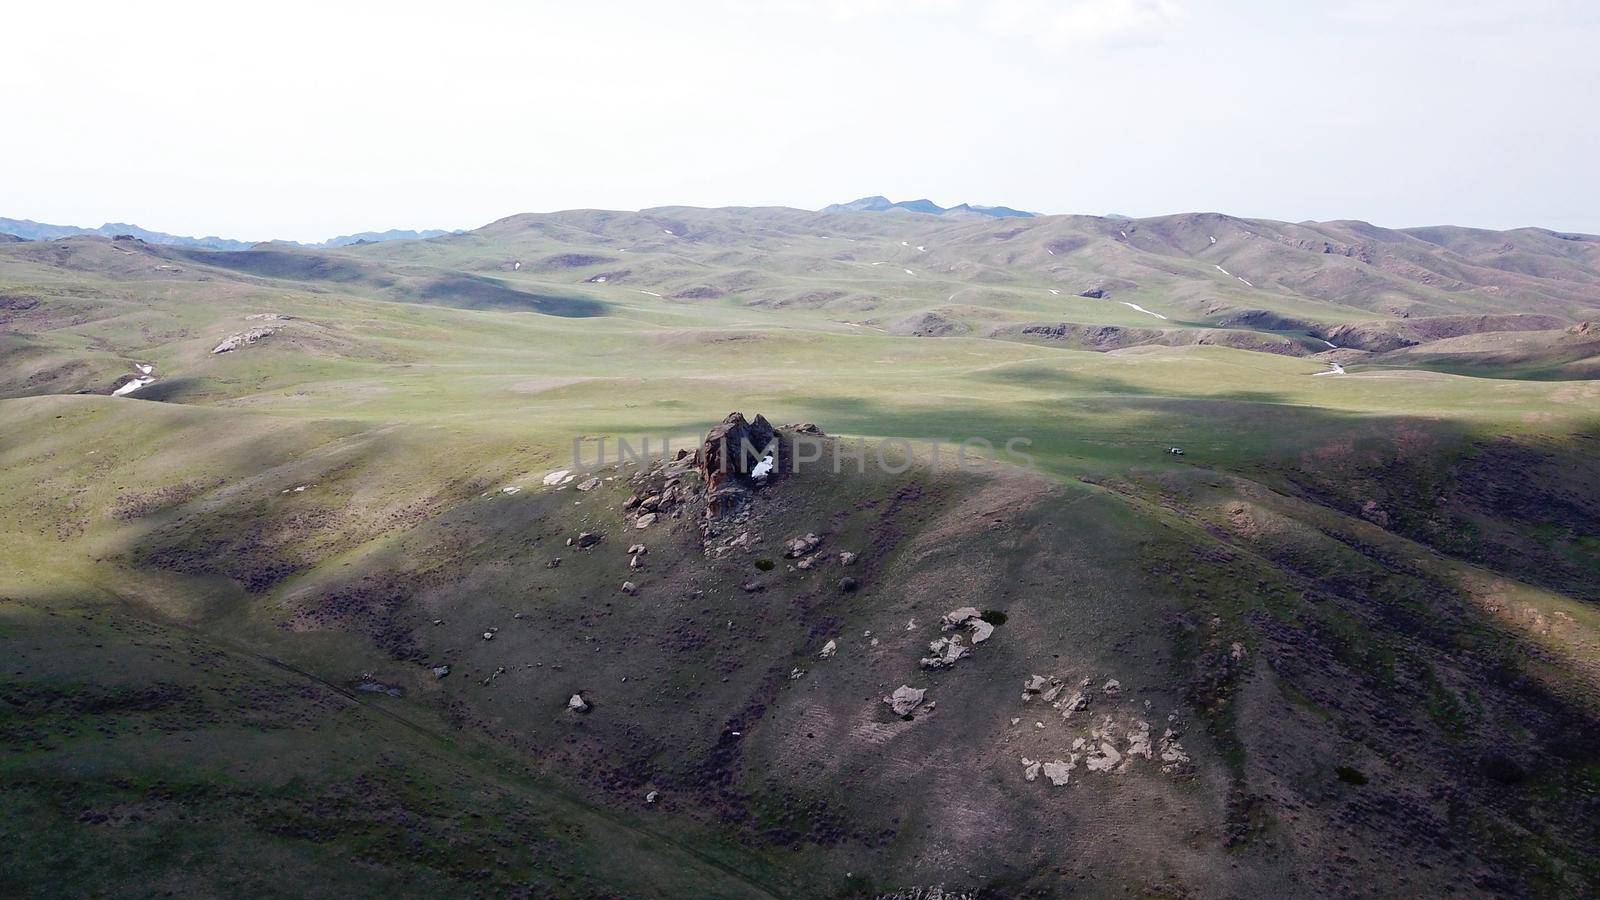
304 120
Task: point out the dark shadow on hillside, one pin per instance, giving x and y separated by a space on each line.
296 265
1525 506
476 292
172 390
453 289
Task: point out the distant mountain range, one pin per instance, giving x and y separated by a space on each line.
39 231
884 204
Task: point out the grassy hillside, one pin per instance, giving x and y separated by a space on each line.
1354 620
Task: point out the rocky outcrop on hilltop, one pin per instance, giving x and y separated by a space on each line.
929 324
736 457
245 338
1385 336
1117 337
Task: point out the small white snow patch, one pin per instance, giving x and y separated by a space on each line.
516 266
1245 280
762 469
1221 269
667 231
1336 370
921 249
1213 238
909 272
651 293
1049 251
132 386
1054 292
1147 312
1331 344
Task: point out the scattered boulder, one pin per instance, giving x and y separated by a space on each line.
630 588
905 699
637 550
969 616
1103 758
1078 702
800 546
957 616
1093 293
829 649
846 558
587 539
556 477
945 650
1059 772
588 484
645 521
577 704
1138 741
848 585
441 671
1172 755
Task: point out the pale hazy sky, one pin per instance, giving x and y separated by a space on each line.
304 120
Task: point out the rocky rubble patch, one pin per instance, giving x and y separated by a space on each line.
245 338
948 648
1115 741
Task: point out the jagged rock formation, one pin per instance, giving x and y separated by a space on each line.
734 458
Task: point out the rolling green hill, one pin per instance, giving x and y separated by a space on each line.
1348 637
